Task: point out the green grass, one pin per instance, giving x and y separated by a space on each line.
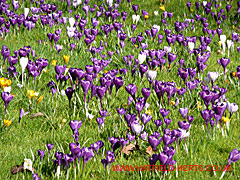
18 140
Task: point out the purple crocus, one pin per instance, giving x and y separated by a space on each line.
6 97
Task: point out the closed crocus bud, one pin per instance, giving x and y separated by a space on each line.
23 62
141 58
191 46
183 112
234 156
71 21
26 11
213 76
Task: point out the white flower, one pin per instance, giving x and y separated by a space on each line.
167 49
184 133
204 3
70 31
136 127
223 38
151 75
63 92
146 106
156 13
71 21
232 107
7 89
109 2
208 49
191 46
23 63
135 18
28 164
213 76
26 11
76 3
156 26
90 116
141 58
229 44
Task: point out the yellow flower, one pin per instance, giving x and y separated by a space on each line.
149 112
233 26
5 82
191 10
146 16
105 71
54 62
225 119
122 88
168 66
172 103
63 122
234 74
39 99
157 69
32 93
178 88
13 95
219 43
199 105
66 58
7 123
162 7
136 45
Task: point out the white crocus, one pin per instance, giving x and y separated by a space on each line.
213 76
23 63
156 13
26 11
28 164
157 27
151 75
63 92
191 46
167 49
184 133
223 40
109 2
208 49
229 45
135 18
71 21
7 89
232 107
76 3
70 31
141 58
204 3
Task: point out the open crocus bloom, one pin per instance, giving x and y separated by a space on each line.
28 164
151 75
213 76
135 18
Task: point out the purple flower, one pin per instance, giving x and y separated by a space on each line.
109 159
183 112
6 97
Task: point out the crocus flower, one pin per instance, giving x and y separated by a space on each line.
213 76
28 164
69 92
232 107
136 127
224 62
154 141
6 97
109 159
183 112
234 156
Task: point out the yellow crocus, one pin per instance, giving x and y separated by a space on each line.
39 99
7 123
66 58
105 71
225 119
162 7
32 93
54 62
146 16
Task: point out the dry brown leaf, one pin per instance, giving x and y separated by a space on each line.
149 150
37 114
127 149
16 169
